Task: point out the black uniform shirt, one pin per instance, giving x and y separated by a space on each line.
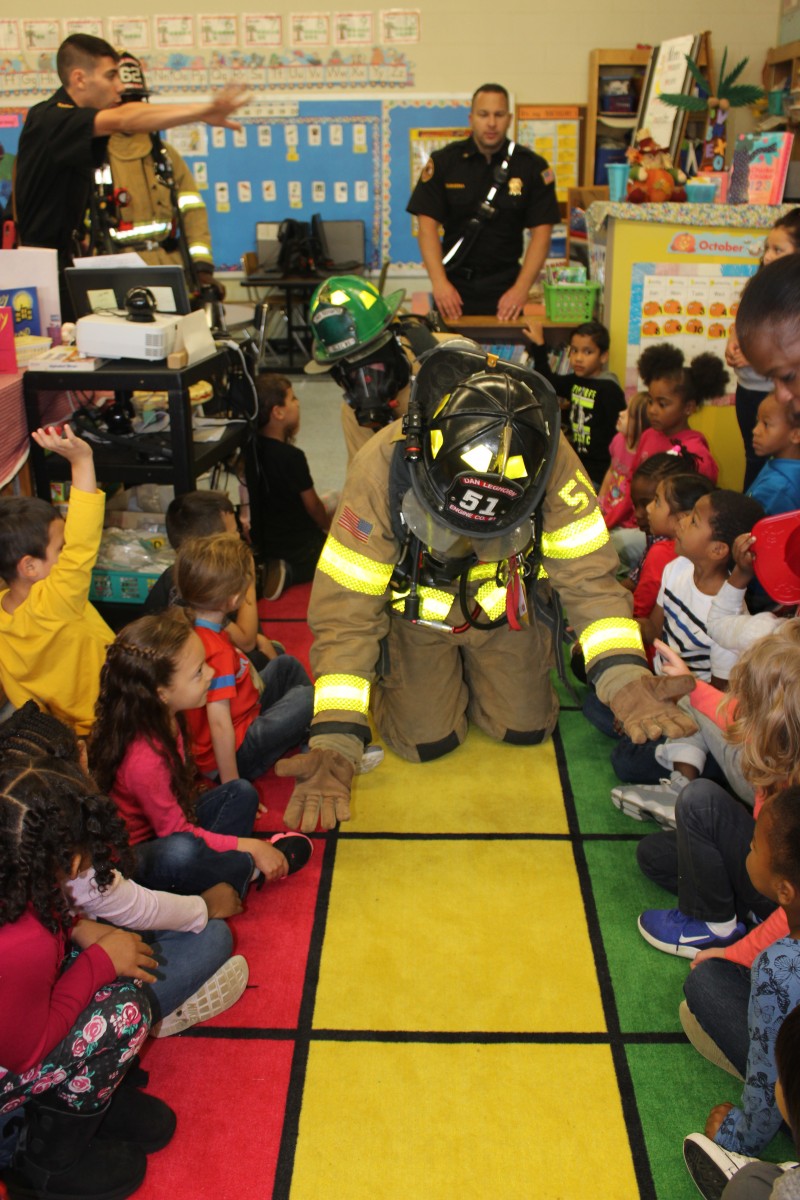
456 180
56 161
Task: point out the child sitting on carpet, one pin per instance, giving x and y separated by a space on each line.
237 733
747 1015
704 540
199 514
69 1025
704 861
722 1176
184 841
614 492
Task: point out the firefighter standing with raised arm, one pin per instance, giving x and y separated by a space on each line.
150 203
423 606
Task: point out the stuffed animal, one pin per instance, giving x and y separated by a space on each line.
653 178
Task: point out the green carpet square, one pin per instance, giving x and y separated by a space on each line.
647 984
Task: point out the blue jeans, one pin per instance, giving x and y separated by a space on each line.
287 706
185 962
186 864
718 993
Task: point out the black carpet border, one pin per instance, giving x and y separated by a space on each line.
630 1108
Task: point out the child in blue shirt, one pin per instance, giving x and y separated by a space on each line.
776 437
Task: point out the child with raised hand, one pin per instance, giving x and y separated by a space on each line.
184 841
69 1026
676 391
782 240
592 394
721 1175
237 733
776 438
614 492
52 640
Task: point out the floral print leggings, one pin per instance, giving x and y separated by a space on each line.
83 1070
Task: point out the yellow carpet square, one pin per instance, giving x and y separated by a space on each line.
457 935
482 787
407 1122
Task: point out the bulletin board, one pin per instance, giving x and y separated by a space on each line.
555 131
412 128
293 158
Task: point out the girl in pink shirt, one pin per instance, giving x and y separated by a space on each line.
676 391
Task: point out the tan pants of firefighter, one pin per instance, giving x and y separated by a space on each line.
431 684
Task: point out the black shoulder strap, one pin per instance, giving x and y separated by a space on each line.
457 253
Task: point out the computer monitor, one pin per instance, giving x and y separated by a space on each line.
268 246
342 244
103 289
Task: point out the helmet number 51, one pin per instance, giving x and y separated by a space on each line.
471 499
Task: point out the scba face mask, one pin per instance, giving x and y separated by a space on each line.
371 385
447 545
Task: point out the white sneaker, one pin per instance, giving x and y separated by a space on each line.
656 800
372 757
217 994
710 1166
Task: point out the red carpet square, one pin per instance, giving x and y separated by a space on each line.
273 934
230 1097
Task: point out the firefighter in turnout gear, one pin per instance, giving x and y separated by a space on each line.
433 601
148 201
369 350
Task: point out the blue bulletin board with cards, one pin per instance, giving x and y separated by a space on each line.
292 158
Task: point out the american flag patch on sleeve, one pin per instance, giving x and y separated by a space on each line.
354 524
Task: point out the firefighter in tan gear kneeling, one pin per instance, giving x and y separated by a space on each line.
430 601
159 211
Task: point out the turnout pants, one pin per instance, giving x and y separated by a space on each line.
431 683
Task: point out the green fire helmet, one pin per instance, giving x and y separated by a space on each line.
346 315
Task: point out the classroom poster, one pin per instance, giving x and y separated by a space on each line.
554 132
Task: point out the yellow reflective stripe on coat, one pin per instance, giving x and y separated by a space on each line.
189 200
352 570
610 633
492 599
348 693
576 539
142 230
433 605
199 250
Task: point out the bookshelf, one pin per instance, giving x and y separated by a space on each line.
605 65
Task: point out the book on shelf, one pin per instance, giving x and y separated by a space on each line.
760 167
65 358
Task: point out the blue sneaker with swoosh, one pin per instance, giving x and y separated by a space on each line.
670 930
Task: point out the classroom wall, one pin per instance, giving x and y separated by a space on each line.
538 49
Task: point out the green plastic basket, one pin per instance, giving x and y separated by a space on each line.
570 301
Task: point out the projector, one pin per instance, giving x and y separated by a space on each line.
102 335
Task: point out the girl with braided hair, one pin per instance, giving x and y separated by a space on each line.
184 841
70 1025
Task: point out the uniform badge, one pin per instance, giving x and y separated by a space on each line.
427 171
548 176
515 187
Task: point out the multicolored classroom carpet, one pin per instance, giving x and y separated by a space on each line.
451 1000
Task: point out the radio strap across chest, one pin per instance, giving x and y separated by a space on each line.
460 250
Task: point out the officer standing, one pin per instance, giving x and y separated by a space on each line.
429 603
64 140
155 208
484 191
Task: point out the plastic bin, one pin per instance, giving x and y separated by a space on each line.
121 587
570 302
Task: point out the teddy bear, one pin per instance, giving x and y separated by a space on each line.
652 177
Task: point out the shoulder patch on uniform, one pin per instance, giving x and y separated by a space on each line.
548 176
427 171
